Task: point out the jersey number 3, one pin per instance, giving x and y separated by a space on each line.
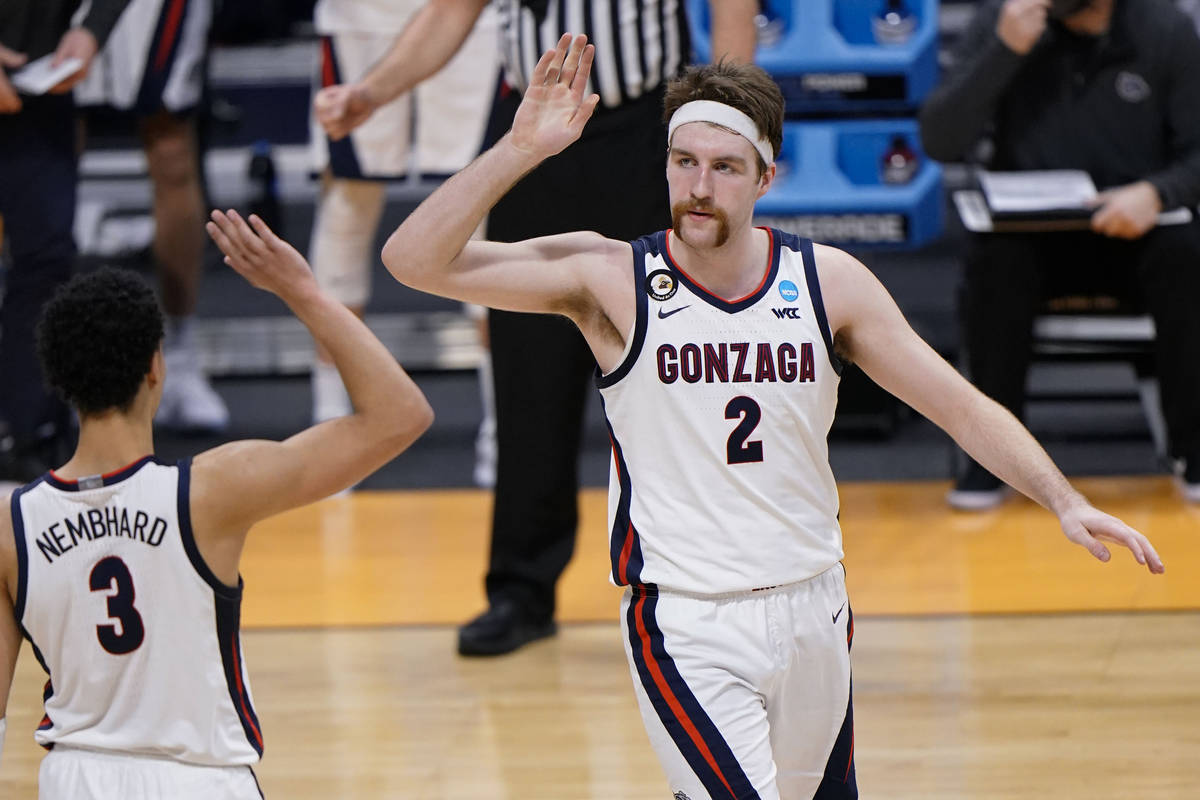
737 449
107 573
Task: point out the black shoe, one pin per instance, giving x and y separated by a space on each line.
501 629
977 490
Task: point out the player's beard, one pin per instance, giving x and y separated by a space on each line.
679 213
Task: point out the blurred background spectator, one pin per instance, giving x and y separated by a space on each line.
38 173
1110 87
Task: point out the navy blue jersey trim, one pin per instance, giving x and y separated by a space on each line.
712 299
814 293
107 479
18 524
183 503
229 620
731 780
623 530
639 327
257 785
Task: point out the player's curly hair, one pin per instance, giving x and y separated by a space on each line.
746 87
96 338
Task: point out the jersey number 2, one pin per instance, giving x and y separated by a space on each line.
737 449
109 571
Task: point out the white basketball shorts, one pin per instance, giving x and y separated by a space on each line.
747 696
71 773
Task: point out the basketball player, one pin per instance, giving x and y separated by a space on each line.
123 570
450 110
719 346
153 67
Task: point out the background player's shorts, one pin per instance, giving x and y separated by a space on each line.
153 60
70 773
747 695
450 109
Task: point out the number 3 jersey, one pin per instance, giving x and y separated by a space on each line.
719 413
138 637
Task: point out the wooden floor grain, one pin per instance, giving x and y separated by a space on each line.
970 681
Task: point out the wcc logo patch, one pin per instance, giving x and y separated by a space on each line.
661 285
681 796
791 312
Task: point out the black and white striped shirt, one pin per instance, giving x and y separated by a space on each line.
640 44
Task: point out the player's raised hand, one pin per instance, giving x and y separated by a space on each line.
554 109
1090 527
342 107
258 255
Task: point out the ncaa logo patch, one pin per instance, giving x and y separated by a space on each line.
661 285
788 291
1131 87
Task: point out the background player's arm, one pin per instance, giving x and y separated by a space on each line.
870 331
734 34
10 633
235 485
427 43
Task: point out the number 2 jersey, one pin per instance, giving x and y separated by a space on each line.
719 413
138 637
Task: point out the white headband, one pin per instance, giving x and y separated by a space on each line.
725 116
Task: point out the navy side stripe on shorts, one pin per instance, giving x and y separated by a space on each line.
693 732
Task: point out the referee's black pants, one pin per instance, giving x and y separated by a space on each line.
612 181
1009 277
38 170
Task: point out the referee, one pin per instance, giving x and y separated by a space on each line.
611 181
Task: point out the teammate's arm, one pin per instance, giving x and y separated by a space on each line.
235 485
567 274
427 43
870 331
10 633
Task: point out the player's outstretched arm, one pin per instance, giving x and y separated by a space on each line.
427 43
870 331
430 250
242 482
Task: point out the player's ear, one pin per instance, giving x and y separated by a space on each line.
158 368
766 179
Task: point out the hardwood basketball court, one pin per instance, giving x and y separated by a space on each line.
992 658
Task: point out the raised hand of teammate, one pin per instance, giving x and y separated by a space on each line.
342 108
554 110
1089 527
258 255
76 43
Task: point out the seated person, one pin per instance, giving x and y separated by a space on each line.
1111 87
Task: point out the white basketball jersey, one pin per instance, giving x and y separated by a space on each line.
719 413
139 638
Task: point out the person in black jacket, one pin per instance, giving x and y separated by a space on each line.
38 171
1111 87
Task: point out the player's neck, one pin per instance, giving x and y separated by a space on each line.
730 271
109 442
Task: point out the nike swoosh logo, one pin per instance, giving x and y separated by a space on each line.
664 314
839 612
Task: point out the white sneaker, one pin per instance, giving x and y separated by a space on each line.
330 399
189 402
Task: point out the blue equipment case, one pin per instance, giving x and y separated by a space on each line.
829 187
835 56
